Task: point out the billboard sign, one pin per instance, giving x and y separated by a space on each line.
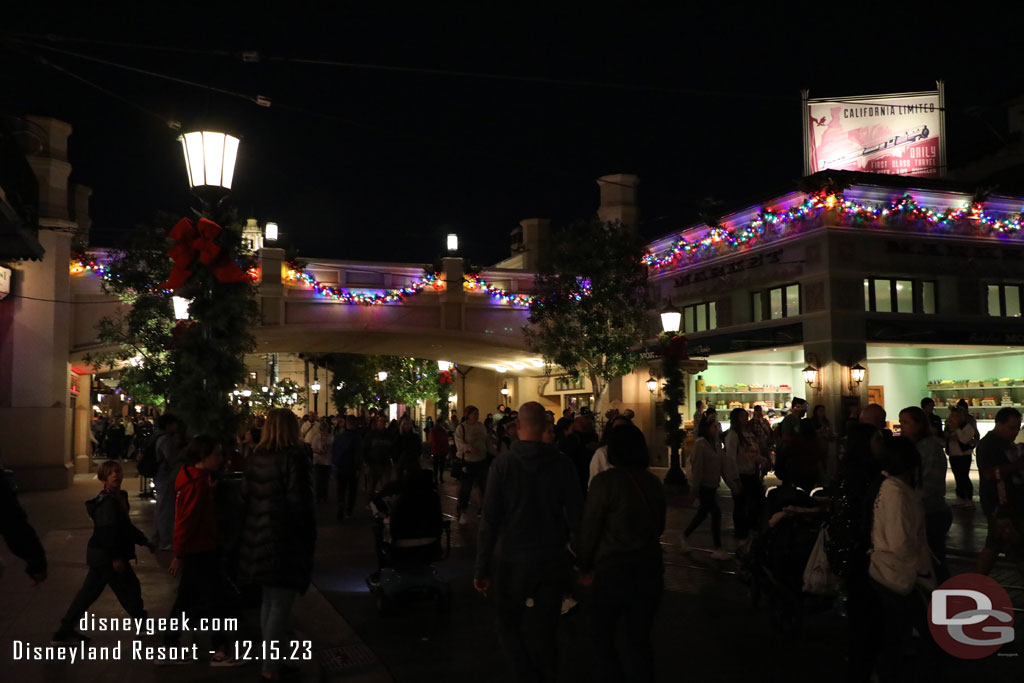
899 134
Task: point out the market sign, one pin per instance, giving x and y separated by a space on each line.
5 282
898 134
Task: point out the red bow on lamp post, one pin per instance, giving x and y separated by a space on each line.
200 239
446 377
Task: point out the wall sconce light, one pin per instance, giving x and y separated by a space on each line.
652 384
505 390
857 373
811 377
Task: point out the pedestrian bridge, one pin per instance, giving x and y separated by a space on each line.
359 307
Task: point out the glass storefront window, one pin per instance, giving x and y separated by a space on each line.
904 296
712 316
775 302
1012 294
702 317
928 297
688 314
793 300
883 298
993 300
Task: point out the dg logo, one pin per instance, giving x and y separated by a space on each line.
970 616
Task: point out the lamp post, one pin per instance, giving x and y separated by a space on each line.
675 394
316 394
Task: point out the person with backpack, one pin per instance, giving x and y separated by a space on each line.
109 554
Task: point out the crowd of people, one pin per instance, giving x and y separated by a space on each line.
560 503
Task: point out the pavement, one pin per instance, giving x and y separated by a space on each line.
706 629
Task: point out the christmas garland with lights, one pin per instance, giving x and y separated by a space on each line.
81 264
970 219
473 283
295 273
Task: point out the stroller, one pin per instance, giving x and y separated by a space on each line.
779 554
409 536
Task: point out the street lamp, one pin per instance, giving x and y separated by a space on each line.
857 373
652 384
181 305
271 231
670 318
381 376
452 242
210 161
810 374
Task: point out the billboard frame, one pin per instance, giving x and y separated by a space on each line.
806 101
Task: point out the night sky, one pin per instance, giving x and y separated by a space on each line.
378 164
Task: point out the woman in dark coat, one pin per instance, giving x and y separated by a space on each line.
279 532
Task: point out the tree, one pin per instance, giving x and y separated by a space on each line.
138 336
590 305
409 380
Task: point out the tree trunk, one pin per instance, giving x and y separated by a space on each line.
600 388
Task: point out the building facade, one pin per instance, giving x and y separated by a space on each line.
917 282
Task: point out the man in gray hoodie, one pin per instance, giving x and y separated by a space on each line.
532 509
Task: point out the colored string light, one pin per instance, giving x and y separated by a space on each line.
473 283
391 296
905 209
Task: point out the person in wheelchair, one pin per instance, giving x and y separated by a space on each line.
409 528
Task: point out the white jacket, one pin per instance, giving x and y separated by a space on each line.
900 559
599 463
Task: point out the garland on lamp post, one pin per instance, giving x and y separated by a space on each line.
445 380
673 353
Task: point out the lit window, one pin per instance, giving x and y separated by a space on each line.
712 316
757 304
793 300
1004 300
928 297
904 296
883 297
1013 302
867 294
700 317
775 301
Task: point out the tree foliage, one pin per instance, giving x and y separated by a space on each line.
137 337
409 380
207 353
591 302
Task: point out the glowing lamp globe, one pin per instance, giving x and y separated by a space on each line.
210 160
315 387
671 317
452 241
181 305
505 390
857 373
382 375
271 232
652 384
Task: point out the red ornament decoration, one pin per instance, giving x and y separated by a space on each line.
446 377
200 240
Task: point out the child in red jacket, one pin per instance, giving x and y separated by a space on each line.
196 556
